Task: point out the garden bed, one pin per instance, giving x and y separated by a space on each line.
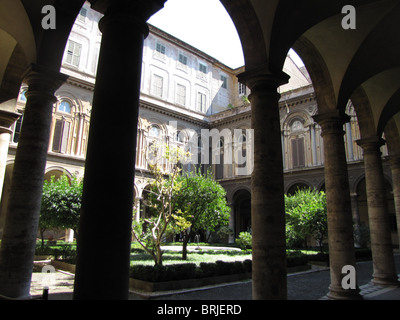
151 279
62 265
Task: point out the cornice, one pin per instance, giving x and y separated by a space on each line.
173 114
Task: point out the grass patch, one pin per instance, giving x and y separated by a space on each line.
175 257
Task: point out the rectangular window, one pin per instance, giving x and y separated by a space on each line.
183 59
82 15
158 86
242 89
73 53
201 102
160 48
203 68
181 94
224 82
298 153
17 128
60 137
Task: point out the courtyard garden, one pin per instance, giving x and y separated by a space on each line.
184 206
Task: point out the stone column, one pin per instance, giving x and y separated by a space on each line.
356 220
378 215
267 188
340 224
102 271
22 216
394 161
313 144
7 119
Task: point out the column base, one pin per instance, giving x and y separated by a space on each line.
385 281
341 294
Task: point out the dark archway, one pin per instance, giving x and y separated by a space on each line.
242 211
297 186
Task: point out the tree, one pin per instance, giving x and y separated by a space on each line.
202 203
306 215
149 231
61 204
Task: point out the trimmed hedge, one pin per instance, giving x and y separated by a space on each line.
185 271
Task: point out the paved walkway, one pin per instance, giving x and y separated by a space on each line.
309 285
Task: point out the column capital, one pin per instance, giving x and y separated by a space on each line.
331 122
262 79
7 119
43 81
371 144
127 12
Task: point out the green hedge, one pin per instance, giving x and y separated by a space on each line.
65 252
205 269
188 270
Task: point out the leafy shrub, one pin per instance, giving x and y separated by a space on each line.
65 253
244 240
44 250
207 269
247 265
159 273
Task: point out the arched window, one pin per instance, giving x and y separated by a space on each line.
155 132
297 125
179 137
64 106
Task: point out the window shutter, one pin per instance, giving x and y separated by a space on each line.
300 148
298 152
64 140
57 136
60 137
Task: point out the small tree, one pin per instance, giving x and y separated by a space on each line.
150 231
202 205
61 204
306 215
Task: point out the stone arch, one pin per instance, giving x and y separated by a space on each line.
319 74
250 32
299 184
76 103
57 172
